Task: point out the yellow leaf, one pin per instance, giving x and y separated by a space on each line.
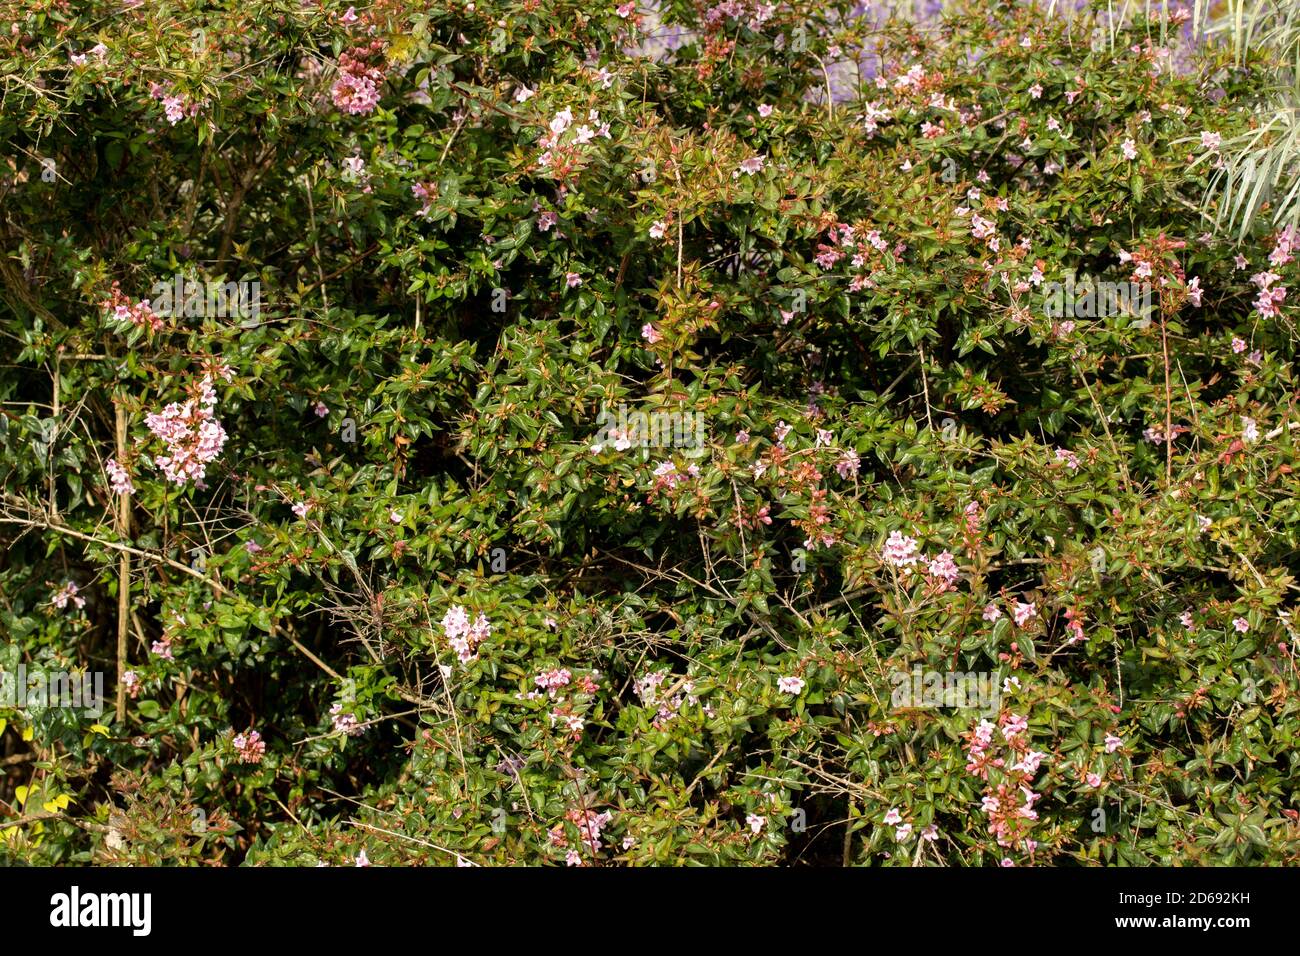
20 794
99 729
3 724
27 733
58 803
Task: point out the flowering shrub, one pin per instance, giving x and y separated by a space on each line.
367 586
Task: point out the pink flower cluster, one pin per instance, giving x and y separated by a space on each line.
119 478
590 825
756 11
552 680
847 466
426 194
174 104
138 313
1283 246
250 747
345 722
464 636
1016 764
865 245
903 831
1270 297
562 144
667 478
192 434
903 552
356 91
648 690
66 594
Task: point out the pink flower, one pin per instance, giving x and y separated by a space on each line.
650 333
192 435
1194 291
752 165
68 593
1129 148
657 229
573 858
552 680
1210 140
765 110
350 16
1014 724
119 478
992 612
1070 459
1238 345
463 636
1241 624
1285 244
943 572
1113 743
900 551
250 747
1036 91
321 409
1249 430
930 833
901 833
301 508
847 466
362 859
755 822
1029 762
893 817
355 93
790 685
1093 780
344 723
572 280
1022 613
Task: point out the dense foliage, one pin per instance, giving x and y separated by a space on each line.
386 585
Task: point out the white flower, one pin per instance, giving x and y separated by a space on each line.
790 685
